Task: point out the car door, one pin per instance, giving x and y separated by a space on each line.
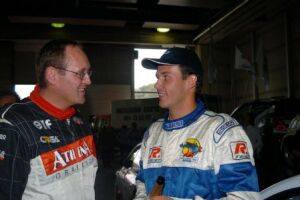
291 194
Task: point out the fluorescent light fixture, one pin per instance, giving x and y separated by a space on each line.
163 30
57 25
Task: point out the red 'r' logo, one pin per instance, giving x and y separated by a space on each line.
239 150
154 153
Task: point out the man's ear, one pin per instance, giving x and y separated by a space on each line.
192 80
51 75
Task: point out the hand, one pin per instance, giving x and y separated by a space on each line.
160 198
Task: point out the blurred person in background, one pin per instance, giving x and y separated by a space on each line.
253 133
8 97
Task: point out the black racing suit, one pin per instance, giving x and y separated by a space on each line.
45 153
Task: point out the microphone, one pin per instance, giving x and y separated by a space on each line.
158 186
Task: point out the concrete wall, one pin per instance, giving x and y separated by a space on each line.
217 73
294 48
277 28
6 64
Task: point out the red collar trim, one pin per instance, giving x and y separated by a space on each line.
49 108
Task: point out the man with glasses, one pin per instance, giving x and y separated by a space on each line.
46 149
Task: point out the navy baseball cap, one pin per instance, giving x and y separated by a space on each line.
176 56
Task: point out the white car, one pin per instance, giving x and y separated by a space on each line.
287 189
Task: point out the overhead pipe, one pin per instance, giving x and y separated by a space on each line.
220 20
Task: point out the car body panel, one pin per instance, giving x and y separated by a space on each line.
125 177
282 186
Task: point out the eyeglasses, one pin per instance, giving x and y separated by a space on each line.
80 75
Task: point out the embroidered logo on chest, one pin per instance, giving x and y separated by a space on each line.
154 155
77 120
42 124
190 149
49 139
67 159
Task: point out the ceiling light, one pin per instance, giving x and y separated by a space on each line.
163 30
57 25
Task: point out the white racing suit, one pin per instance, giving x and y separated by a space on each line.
45 153
203 155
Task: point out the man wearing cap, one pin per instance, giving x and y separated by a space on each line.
201 154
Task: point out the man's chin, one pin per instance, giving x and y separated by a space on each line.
81 101
163 105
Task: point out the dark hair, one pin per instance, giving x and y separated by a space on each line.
4 93
186 71
52 54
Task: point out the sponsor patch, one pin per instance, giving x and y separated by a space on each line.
63 157
239 150
49 139
2 137
191 147
77 120
174 125
221 130
42 124
154 155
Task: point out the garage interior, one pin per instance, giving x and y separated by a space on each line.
249 48
265 32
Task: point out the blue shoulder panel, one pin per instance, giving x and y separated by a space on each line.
223 127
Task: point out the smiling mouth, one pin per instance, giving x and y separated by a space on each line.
82 90
161 94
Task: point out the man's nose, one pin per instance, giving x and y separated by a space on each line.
87 79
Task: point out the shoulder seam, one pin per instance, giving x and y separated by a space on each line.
10 106
5 121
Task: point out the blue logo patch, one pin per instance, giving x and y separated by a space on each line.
221 130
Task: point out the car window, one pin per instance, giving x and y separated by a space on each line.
255 108
292 194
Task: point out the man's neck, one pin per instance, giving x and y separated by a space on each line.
183 110
53 98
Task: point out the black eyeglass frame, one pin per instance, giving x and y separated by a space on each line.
80 75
